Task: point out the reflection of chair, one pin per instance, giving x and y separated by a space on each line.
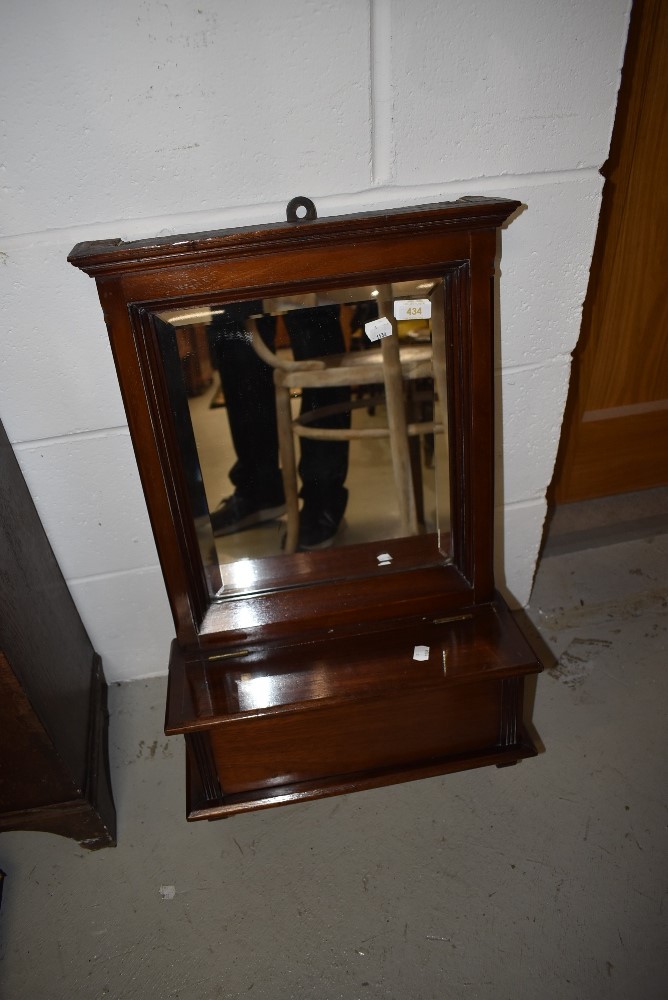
391 365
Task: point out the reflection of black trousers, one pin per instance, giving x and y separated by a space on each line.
248 386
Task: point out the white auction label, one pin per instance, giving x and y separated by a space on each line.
378 328
421 653
412 309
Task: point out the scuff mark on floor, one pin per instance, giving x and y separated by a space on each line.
630 607
577 661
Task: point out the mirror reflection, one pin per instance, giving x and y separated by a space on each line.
311 423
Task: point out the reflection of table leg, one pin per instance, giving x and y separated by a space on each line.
438 349
416 471
396 417
414 409
286 448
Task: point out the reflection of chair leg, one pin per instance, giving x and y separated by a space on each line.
401 459
396 419
416 474
417 412
286 448
438 348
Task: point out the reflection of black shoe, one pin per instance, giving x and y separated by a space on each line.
236 513
318 524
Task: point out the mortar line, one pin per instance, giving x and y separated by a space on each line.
380 68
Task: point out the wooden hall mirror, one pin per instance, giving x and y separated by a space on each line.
311 406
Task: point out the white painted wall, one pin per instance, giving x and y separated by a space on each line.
146 117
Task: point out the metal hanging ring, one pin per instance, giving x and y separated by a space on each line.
300 202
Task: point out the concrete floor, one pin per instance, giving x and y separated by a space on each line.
546 880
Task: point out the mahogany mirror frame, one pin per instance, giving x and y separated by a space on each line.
456 241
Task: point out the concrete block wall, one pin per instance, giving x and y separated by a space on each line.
137 119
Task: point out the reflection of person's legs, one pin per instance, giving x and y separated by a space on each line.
324 464
248 387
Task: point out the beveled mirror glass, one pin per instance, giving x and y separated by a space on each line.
310 422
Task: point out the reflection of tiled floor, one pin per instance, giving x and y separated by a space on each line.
371 513
546 880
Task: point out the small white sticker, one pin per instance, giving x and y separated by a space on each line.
378 328
421 653
168 891
412 309
384 559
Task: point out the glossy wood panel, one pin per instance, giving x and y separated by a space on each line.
220 687
350 711
205 799
411 727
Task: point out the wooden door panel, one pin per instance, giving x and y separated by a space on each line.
615 435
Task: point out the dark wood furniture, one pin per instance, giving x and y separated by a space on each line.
307 685
54 773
